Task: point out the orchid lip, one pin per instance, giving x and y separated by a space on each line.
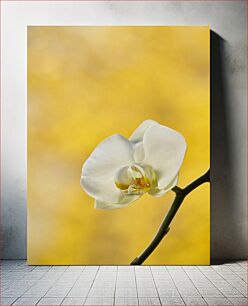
136 179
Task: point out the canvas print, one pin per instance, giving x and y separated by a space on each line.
118 145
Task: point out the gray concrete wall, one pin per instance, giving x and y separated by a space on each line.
227 20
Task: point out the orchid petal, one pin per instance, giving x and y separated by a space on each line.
126 200
138 134
156 192
98 173
139 153
137 139
164 152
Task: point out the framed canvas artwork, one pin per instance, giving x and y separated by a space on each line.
118 145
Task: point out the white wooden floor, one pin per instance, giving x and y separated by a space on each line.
123 285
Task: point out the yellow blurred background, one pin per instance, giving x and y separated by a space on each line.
87 83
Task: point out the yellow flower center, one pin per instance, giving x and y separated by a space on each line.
136 179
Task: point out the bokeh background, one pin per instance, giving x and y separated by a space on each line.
85 84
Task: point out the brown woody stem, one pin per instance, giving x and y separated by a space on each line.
164 227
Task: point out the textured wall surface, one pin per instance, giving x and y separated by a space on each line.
227 20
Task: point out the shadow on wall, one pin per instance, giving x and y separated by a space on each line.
225 231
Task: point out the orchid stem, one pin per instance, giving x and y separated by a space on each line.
181 193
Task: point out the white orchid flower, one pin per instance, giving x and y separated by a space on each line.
120 170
